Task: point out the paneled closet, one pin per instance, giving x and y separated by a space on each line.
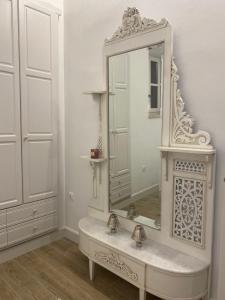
28 116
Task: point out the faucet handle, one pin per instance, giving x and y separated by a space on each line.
113 223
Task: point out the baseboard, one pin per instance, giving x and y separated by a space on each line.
71 234
25 247
136 196
145 192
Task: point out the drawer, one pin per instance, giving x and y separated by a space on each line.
2 219
83 243
30 229
3 238
119 181
188 286
28 212
117 263
119 194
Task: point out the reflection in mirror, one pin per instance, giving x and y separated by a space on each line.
135 122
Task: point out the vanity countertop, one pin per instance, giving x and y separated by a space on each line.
152 253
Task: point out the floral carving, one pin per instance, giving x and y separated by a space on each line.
132 23
189 210
113 260
183 123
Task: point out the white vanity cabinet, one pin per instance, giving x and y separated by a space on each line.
28 115
155 268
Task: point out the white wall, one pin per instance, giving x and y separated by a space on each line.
199 43
145 133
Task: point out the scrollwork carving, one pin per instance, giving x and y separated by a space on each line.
133 23
183 123
113 260
189 211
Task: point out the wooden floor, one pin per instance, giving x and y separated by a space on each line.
60 272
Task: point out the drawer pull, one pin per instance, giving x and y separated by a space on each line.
34 211
35 228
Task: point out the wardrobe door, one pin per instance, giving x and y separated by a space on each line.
119 103
38 54
10 139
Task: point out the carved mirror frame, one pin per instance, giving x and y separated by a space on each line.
188 158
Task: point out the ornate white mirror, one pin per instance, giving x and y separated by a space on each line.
174 192
138 84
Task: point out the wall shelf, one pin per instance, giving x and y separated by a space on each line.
207 151
94 160
97 92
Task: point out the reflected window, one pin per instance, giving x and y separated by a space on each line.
155 70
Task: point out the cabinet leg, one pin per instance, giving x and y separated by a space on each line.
91 269
142 294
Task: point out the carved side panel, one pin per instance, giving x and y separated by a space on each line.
189 210
182 123
113 260
197 167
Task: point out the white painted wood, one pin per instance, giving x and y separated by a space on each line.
120 264
187 150
120 193
91 269
119 181
2 219
9 253
3 238
31 211
194 146
119 115
39 100
142 294
10 143
30 229
156 268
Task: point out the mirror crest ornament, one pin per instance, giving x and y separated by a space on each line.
133 23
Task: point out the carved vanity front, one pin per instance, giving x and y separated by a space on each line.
154 268
158 170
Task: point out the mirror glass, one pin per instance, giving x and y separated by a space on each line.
135 125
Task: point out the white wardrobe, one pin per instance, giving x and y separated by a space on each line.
28 120
119 128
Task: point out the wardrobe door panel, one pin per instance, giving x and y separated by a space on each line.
38 42
38 38
39 97
7 103
41 162
122 150
10 138
7 10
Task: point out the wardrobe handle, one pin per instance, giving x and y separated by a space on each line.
25 138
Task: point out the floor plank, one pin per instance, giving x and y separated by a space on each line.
59 271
